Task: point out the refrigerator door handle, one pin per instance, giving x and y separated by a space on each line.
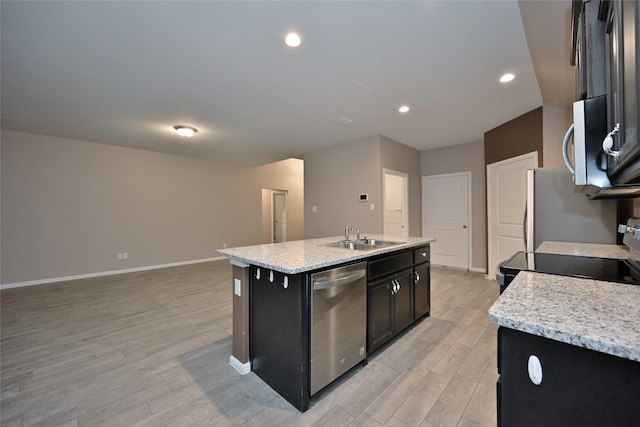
524 228
529 212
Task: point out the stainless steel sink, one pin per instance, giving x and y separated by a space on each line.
363 244
375 242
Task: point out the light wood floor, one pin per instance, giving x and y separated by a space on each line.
152 349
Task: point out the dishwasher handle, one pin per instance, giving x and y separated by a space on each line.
339 281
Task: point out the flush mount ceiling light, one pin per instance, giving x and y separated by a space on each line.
186 131
507 78
404 109
292 40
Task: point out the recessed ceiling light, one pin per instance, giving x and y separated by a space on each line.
292 40
404 109
507 78
186 131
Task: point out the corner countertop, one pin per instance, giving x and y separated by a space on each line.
584 249
601 316
311 254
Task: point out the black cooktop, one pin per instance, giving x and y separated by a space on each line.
610 270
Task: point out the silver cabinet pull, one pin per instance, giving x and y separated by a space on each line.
417 276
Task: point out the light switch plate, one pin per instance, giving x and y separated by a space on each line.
236 287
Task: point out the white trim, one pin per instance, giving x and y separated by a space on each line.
242 368
478 270
469 177
405 200
104 273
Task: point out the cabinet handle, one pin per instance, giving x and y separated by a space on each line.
395 287
417 277
607 144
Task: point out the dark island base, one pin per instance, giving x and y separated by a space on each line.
580 387
279 332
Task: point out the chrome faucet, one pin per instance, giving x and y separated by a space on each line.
347 231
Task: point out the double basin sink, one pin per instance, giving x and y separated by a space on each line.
363 244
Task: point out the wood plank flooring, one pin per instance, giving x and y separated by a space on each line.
152 349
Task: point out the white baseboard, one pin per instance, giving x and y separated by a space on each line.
242 368
474 269
105 273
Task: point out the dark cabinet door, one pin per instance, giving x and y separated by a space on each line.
622 29
380 317
278 333
579 387
403 300
421 290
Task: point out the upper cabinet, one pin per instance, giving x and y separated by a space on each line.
622 18
605 51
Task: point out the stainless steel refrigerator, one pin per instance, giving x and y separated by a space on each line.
555 212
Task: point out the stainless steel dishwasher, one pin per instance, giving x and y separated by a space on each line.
338 322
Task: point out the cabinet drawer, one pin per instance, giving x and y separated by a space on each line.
388 264
421 255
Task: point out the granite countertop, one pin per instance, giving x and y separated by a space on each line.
311 254
601 316
584 249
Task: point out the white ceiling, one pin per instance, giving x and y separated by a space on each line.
124 73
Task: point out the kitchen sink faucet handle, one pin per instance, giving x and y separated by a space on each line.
347 231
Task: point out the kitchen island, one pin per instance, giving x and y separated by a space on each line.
273 303
568 351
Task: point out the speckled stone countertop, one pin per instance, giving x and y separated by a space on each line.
601 316
584 249
311 254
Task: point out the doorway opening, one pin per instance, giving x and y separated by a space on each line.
395 195
278 216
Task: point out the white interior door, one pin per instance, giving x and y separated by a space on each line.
279 216
506 200
396 203
446 216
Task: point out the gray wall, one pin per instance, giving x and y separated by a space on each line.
555 122
69 206
335 176
470 157
463 158
399 157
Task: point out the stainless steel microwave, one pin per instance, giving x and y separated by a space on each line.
589 166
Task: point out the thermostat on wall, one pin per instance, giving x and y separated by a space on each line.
363 197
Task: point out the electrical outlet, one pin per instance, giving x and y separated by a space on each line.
119 255
125 255
224 245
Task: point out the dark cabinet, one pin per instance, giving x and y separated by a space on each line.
403 300
421 282
622 28
390 307
398 293
421 290
576 386
380 314
279 333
